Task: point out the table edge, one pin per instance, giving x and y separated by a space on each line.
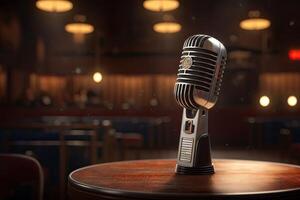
124 193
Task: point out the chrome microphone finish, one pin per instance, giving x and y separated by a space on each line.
200 72
196 89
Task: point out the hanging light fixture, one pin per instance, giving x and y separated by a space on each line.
54 5
79 28
161 5
168 25
255 22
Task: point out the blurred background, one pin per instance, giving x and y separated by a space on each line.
84 82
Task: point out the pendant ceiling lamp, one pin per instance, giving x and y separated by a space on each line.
79 26
255 22
161 5
54 5
168 25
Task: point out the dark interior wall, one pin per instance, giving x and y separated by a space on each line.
35 42
130 41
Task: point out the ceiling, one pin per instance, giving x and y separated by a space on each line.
126 40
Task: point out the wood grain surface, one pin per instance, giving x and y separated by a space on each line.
155 179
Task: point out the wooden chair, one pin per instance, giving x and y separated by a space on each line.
17 174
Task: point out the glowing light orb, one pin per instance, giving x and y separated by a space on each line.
264 101
292 101
97 77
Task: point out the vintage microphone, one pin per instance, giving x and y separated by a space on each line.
196 89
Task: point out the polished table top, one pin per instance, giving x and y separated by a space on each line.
155 179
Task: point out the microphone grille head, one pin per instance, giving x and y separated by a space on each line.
200 72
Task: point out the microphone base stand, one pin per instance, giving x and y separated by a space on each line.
194 154
195 170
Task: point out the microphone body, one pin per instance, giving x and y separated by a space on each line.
196 89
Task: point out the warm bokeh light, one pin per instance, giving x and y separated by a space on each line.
292 101
294 54
161 5
54 5
79 28
97 77
167 27
255 24
264 101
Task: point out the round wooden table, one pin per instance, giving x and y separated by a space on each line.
155 179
